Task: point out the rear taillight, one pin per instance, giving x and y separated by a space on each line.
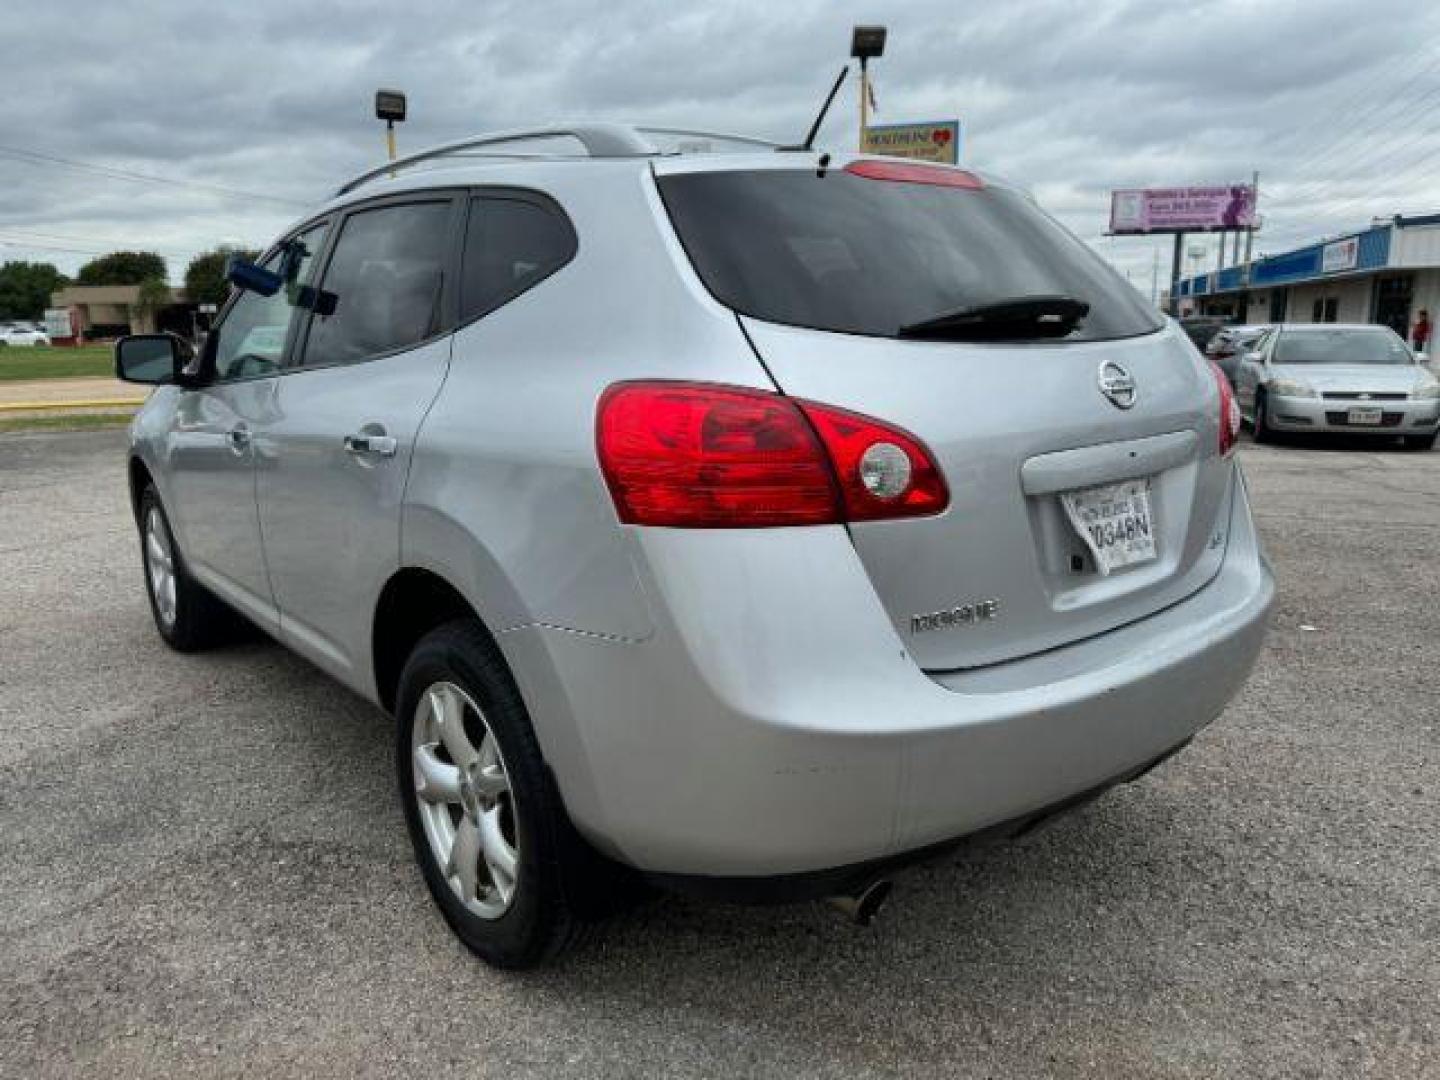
695 455
1229 411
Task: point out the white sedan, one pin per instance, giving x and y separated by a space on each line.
20 335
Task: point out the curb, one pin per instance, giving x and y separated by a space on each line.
60 406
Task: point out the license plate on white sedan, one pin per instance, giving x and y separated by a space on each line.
1115 521
1363 415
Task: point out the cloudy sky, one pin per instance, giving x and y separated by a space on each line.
251 112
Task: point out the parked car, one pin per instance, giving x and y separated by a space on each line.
680 541
1334 377
23 336
1229 345
1201 329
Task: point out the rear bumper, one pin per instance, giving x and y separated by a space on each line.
774 724
1331 416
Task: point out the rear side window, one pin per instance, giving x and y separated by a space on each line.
511 245
383 286
864 256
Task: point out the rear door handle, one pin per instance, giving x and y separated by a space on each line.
376 445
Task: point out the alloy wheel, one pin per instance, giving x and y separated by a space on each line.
466 803
160 566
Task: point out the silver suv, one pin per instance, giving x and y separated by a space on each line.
749 521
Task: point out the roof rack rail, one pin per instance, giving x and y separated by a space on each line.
599 139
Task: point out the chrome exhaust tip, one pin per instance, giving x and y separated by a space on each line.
862 907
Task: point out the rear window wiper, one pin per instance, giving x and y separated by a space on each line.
1017 318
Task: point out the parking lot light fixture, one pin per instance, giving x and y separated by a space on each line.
866 42
390 107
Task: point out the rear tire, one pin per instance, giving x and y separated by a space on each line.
1264 433
188 616
503 863
1420 442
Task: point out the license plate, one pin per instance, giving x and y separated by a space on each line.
1115 522
1363 415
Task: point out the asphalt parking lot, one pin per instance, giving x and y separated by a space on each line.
203 867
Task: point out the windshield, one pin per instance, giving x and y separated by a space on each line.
1378 346
865 256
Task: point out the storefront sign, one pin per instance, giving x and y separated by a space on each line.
1341 255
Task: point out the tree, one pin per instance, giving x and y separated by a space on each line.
205 276
154 294
25 289
122 268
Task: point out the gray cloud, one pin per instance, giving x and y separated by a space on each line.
1333 103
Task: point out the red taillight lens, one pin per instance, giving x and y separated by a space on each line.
1229 411
883 472
695 455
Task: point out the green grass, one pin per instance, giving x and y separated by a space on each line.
39 362
76 422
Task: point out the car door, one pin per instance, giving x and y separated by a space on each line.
1250 372
210 468
333 454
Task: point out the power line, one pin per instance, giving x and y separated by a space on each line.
1355 120
35 157
113 243
1378 148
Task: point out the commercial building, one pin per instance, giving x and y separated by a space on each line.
112 310
1384 274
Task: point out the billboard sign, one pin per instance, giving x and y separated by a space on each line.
1341 255
936 140
1186 209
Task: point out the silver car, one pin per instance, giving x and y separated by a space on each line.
749 523
1333 377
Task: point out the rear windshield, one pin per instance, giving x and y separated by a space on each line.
1379 346
864 256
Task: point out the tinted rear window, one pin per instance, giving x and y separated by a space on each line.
842 252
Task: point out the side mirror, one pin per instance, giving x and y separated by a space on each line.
153 359
1422 358
1255 357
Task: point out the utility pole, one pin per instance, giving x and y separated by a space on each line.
1250 232
1244 312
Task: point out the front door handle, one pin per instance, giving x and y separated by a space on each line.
239 439
376 445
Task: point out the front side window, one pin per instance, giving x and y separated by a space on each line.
382 290
511 245
251 340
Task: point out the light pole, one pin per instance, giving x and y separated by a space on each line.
390 107
865 43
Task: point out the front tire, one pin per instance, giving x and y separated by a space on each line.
1264 433
489 830
188 616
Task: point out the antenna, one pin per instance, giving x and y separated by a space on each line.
815 127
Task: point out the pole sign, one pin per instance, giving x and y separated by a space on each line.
1181 210
936 140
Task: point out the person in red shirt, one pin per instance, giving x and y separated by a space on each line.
1420 333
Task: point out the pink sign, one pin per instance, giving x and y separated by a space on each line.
1186 209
